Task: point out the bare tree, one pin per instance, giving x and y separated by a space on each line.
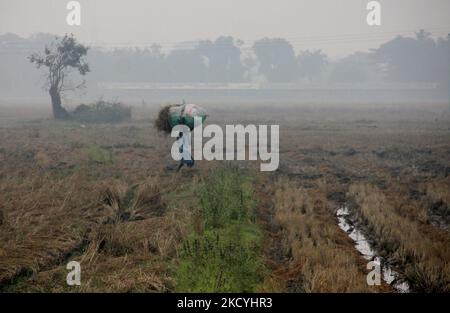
61 58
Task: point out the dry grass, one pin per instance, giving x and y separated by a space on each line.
421 254
116 252
42 225
124 219
121 202
437 202
320 253
439 191
148 200
162 121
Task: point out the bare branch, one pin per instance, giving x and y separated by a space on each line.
61 57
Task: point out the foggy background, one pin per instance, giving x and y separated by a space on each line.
236 50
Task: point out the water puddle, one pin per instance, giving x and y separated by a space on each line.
363 246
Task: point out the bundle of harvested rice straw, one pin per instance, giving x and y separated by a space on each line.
175 114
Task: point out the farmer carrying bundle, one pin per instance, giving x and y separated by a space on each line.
180 114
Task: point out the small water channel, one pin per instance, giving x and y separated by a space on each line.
363 246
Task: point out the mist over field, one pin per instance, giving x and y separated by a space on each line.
280 54
403 68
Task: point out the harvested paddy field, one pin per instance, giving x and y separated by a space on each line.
101 194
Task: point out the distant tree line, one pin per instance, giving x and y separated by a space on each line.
419 59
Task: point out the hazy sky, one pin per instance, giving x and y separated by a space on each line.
336 26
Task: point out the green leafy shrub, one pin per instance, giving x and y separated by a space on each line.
102 112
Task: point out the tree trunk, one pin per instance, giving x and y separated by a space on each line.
58 111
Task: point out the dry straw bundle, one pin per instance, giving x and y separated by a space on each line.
162 121
176 114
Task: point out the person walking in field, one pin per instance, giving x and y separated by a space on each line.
180 114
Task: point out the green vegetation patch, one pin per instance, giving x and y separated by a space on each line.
99 155
102 112
225 255
226 196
